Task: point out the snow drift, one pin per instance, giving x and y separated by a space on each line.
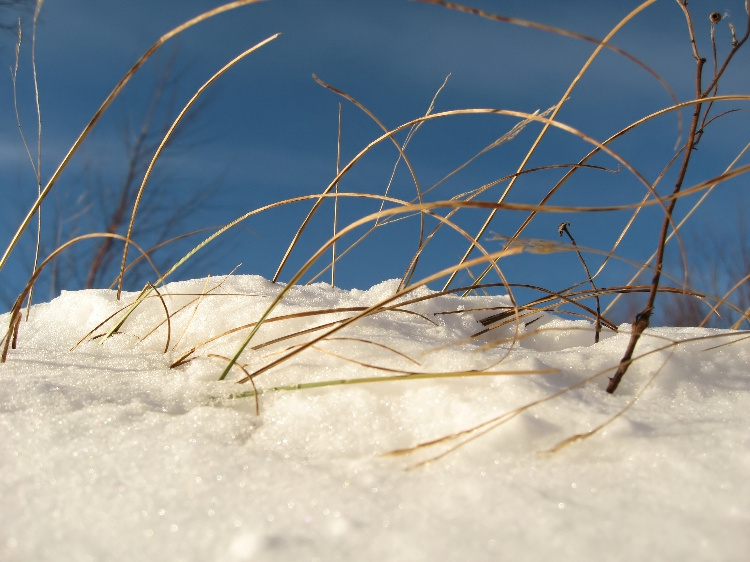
111 453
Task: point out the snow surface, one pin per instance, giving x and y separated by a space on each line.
108 454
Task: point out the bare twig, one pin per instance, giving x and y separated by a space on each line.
563 229
642 319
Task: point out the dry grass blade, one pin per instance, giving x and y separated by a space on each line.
405 376
360 363
36 166
166 138
723 301
380 345
15 311
255 390
336 201
167 316
149 287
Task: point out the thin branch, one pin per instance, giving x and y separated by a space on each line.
563 229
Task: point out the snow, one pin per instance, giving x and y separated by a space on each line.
110 454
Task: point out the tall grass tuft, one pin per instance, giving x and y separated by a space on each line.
484 218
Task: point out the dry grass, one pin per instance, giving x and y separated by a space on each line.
442 217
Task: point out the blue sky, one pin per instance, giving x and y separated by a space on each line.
267 131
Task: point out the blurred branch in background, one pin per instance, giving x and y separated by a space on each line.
110 193
718 265
101 198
